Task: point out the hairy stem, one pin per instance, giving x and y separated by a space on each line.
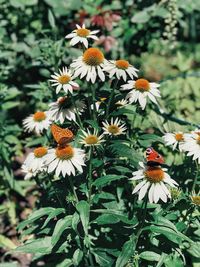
196 176
111 98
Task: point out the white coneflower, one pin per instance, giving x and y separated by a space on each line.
64 108
154 180
28 172
65 160
192 145
175 140
195 197
121 103
91 139
114 127
90 64
81 35
64 80
37 122
141 89
36 159
120 68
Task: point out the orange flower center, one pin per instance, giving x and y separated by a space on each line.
91 140
113 129
40 152
198 139
196 200
39 116
122 64
65 153
142 85
64 79
179 137
83 32
154 174
93 57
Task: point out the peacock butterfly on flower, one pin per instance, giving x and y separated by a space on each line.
153 158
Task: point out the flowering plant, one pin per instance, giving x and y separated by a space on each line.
91 165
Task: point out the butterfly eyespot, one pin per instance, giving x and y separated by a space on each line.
148 151
158 157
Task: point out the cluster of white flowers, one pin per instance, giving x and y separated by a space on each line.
188 142
65 159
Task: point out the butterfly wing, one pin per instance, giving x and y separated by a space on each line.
61 136
153 158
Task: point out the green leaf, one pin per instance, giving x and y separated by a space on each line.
6 242
41 245
9 264
102 258
77 257
65 263
150 256
126 253
107 179
60 227
107 219
194 249
84 211
10 105
51 19
52 215
140 17
35 216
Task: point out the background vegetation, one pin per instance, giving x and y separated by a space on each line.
159 37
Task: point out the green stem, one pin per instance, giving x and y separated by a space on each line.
111 98
94 103
73 189
56 193
77 113
143 220
90 175
196 177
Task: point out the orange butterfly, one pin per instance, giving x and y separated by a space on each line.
61 136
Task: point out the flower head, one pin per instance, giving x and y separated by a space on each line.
114 127
65 159
81 35
174 139
154 180
90 64
35 160
121 68
192 144
195 198
37 122
91 139
64 108
141 89
64 80
28 172
121 103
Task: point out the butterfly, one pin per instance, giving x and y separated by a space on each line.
61 136
153 158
